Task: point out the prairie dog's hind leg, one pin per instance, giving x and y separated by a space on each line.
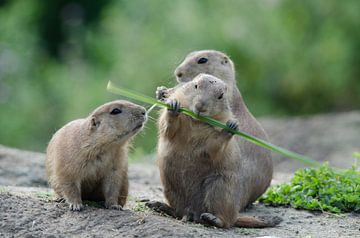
212 220
221 201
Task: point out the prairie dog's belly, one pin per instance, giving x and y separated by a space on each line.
95 169
92 180
187 170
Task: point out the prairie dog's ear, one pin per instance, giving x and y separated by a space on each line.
94 123
225 60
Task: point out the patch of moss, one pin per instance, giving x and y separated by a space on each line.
44 195
140 207
3 190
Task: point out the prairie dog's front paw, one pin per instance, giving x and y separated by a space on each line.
76 207
232 124
162 93
174 107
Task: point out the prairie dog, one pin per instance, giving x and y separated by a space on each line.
221 66
204 175
87 158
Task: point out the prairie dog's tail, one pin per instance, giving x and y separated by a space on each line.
253 222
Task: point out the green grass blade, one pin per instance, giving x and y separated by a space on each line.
149 100
133 95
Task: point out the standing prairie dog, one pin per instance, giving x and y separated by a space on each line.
87 158
205 177
220 65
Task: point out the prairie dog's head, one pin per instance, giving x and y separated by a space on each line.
206 95
116 121
206 61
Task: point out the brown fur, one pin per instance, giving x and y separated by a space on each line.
220 65
205 177
87 158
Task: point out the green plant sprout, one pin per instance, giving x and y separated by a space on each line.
149 100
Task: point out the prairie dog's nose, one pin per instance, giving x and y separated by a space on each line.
200 107
141 112
178 73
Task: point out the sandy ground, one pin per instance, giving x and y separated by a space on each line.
28 212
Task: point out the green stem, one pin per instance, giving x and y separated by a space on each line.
149 100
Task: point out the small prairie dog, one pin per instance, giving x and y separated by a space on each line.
221 66
87 158
204 176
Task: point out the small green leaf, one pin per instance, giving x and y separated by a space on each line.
320 189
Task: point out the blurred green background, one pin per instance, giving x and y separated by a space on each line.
292 57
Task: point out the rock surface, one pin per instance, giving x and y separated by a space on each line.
329 137
27 211
21 168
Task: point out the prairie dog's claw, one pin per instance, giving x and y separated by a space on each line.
115 207
174 107
161 93
76 207
232 124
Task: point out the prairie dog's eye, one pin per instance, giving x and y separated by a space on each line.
221 96
202 60
195 86
115 111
